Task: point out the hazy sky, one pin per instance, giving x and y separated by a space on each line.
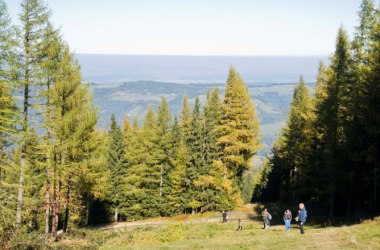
201 27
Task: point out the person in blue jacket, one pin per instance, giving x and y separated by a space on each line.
302 215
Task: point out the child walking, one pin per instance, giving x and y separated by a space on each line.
240 225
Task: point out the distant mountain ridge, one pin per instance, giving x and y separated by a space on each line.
133 98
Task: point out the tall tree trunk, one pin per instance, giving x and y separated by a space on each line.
54 227
25 130
47 204
116 215
67 206
20 188
161 178
48 174
59 199
87 210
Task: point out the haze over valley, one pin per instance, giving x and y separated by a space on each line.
128 84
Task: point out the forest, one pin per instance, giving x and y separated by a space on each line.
328 152
59 171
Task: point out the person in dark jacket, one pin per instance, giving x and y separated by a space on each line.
287 219
224 216
266 218
302 215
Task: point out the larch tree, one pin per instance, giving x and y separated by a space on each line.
239 128
34 19
8 110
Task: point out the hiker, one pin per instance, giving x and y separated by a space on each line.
301 218
287 219
240 225
266 218
224 216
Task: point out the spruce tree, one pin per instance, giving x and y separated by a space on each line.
164 152
116 165
331 115
297 143
143 179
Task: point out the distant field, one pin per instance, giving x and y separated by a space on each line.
206 232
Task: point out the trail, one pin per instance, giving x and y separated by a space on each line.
245 215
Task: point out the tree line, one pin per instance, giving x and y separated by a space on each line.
191 163
57 169
328 152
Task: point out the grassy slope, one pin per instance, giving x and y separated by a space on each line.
185 233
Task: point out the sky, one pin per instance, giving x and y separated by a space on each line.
201 27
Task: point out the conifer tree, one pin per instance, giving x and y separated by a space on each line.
212 117
331 114
297 143
164 152
195 148
185 118
177 177
239 128
143 179
34 19
117 165
8 111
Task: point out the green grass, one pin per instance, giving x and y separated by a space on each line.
223 236
187 235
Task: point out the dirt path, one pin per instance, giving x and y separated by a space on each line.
151 223
244 215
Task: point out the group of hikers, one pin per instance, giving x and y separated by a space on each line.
287 217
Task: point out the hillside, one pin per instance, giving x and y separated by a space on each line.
133 99
206 232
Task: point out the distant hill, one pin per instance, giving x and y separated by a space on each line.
133 99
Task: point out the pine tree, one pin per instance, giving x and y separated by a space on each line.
214 190
297 143
239 128
177 193
34 19
331 114
8 119
75 154
363 139
143 179
185 118
195 148
164 152
212 117
117 165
